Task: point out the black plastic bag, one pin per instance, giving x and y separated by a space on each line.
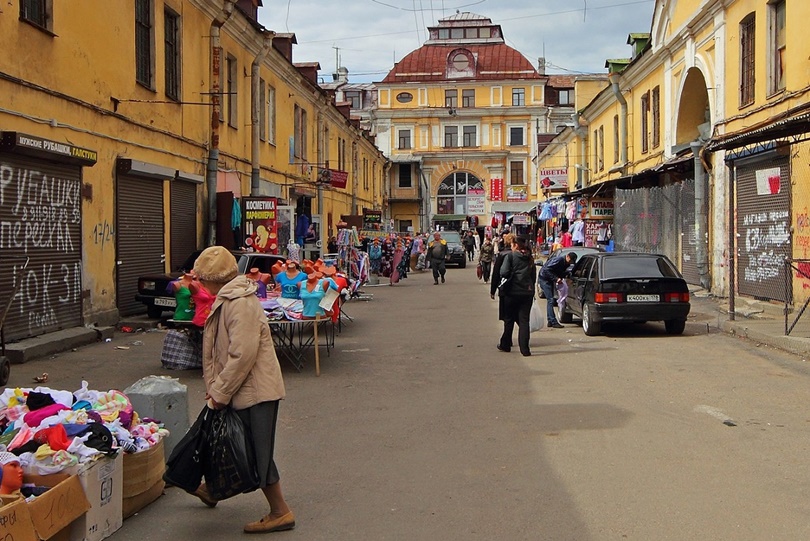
230 464
185 466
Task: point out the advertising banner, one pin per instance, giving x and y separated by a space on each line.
496 189
260 221
476 200
554 178
517 193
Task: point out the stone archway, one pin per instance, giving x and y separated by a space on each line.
694 113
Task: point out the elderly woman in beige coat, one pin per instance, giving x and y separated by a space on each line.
241 370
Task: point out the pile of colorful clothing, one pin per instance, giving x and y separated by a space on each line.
52 430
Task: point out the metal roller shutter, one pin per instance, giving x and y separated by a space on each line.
139 228
40 218
763 229
689 267
183 221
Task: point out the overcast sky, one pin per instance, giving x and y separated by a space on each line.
575 36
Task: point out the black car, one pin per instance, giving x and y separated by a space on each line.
455 250
154 291
626 287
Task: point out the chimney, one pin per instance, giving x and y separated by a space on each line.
541 65
343 75
283 43
309 70
250 8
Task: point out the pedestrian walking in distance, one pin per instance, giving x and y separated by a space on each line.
437 254
485 255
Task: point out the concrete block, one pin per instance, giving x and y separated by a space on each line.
48 344
164 399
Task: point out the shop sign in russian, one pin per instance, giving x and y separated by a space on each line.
476 201
521 219
260 218
554 178
339 178
600 209
517 193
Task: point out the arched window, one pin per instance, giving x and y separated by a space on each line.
453 190
460 63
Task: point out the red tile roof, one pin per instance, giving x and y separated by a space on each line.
561 81
495 61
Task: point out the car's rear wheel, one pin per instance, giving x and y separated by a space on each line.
675 326
154 312
564 315
589 326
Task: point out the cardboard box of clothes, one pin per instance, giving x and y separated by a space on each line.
143 478
50 515
103 483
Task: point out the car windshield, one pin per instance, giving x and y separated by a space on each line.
451 236
616 267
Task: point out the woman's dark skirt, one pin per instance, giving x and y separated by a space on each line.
260 423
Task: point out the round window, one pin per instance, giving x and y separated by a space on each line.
461 62
404 97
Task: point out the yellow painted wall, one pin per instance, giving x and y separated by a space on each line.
78 85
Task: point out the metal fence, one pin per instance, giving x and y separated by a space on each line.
658 219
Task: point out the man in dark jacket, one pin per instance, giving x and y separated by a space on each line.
520 272
437 254
550 274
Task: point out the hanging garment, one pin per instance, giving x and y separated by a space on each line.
578 232
236 214
185 305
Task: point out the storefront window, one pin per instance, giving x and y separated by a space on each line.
454 190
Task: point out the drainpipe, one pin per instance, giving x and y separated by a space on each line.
213 151
425 187
581 130
701 217
256 110
614 84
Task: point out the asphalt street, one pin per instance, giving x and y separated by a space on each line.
419 429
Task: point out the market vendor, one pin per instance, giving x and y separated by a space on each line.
289 278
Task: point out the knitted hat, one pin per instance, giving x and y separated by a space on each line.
216 264
8 458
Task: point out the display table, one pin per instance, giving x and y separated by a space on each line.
292 338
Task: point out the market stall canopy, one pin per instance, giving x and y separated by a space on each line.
449 217
513 206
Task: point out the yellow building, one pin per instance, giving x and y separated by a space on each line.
458 118
111 166
760 143
712 167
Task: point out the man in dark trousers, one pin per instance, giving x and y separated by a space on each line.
552 272
436 254
469 245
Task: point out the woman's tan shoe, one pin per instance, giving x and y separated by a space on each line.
267 524
204 496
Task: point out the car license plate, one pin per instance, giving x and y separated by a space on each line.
643 298
165 301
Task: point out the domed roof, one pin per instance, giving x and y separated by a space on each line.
490 62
